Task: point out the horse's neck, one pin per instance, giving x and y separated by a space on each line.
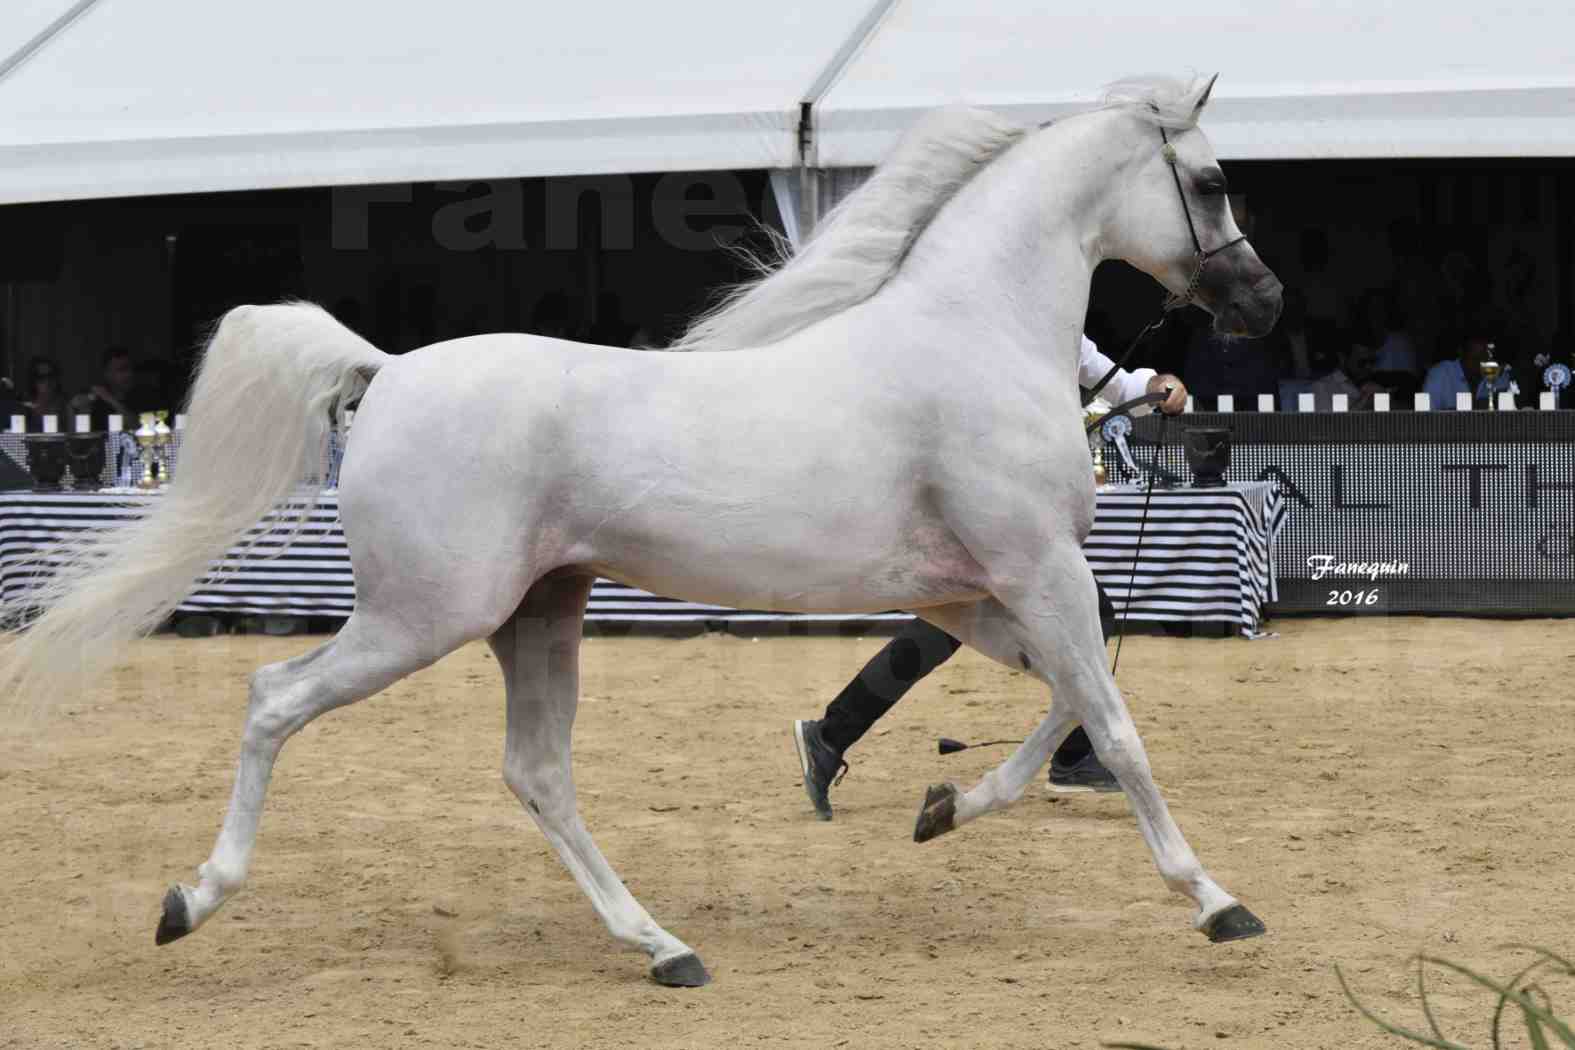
1014 253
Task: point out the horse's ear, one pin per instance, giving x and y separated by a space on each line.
1203 99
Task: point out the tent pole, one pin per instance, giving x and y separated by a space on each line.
809 171
44 36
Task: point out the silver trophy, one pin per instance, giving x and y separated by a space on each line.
147 443
1093 412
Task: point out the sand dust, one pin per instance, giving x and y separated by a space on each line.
1370 787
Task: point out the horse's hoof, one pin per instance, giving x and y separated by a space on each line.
175 923
681 971
1234 924
939 813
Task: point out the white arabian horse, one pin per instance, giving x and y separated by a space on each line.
896 427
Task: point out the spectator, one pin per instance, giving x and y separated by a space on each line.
45 394
1361 367
111 395
1289 341
1385 331
1331 380
1383 356
1349 374
1243 368
1459 374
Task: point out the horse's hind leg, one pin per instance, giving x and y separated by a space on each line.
363 658
1052 632
538 650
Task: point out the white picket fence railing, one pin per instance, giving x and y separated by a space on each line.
1308 402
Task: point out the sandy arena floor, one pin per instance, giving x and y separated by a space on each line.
1369 787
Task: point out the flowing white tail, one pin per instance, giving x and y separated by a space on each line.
271 380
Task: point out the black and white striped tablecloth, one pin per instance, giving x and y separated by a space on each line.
1206 555
310 577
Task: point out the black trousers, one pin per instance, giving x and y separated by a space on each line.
917 649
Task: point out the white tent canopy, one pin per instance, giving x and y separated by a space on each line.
1299 80
171 96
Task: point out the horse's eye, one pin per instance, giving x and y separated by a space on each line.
1213 189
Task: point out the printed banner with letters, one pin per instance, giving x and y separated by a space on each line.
1407 512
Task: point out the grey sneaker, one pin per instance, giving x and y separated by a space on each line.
1084 775
822 765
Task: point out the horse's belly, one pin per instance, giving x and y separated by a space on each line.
923 569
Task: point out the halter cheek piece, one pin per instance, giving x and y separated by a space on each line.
1200 256
1200 259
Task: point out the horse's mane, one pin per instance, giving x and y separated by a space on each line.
862 242
1167 102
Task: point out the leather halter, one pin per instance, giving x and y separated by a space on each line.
1201 257
1201 260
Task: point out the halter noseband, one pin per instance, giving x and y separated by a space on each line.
1200 256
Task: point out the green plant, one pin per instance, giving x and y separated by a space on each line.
1531 1000
1538 1016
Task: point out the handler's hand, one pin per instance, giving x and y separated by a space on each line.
1177 401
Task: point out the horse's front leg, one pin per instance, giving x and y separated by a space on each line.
945 807
1045 622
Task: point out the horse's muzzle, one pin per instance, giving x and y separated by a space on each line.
1252 311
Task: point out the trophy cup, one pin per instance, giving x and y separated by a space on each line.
1556 376
46 459
162 437
147 440
1093 412
1208 454
1490 373
86 452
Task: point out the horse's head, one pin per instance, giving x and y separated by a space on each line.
1175 223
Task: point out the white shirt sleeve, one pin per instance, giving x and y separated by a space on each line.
1124 386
